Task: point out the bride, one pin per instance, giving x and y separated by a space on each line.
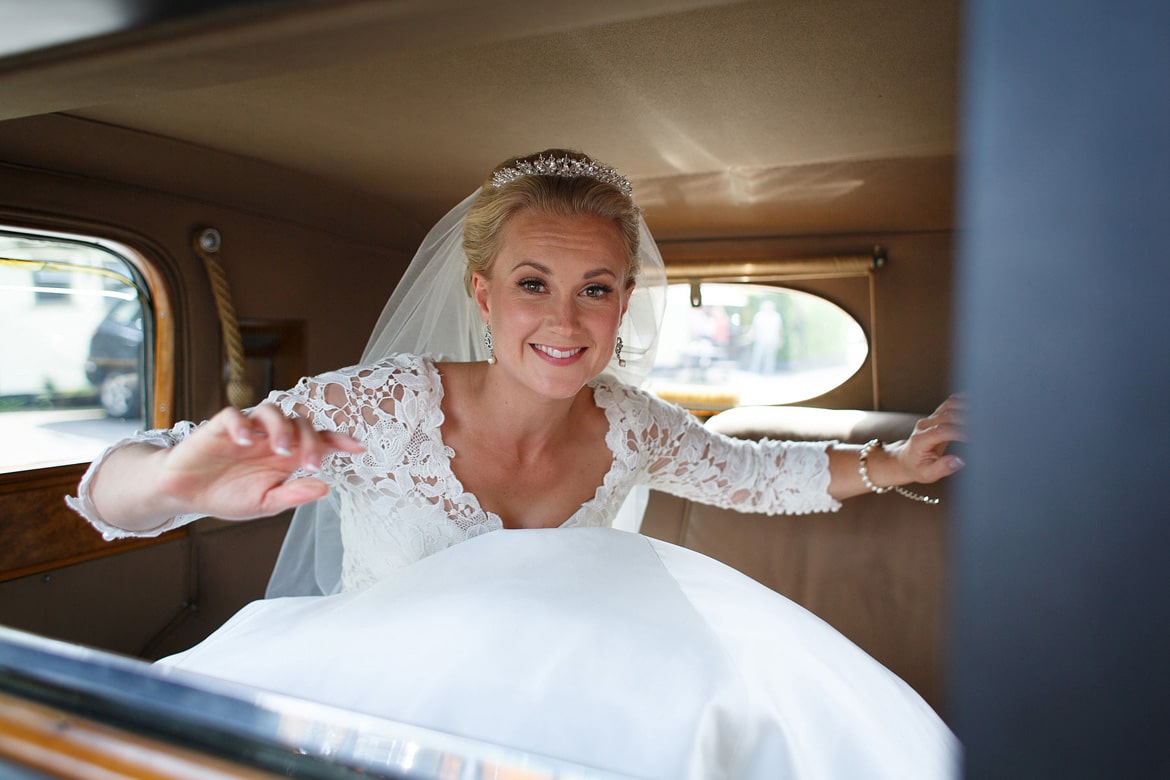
515 406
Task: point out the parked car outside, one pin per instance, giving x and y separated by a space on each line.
115 360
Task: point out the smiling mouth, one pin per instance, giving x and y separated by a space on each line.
559 354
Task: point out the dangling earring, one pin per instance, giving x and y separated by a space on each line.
617 352
487 342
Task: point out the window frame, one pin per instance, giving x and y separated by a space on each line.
43 533
160 336
710 398
763 262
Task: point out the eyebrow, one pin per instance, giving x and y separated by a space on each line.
544 269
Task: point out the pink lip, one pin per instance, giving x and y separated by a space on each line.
558 361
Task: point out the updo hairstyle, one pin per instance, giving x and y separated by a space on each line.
556 195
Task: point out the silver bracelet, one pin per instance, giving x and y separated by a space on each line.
863 470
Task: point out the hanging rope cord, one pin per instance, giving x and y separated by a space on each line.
207 244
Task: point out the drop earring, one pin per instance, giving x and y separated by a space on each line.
617 352
487 342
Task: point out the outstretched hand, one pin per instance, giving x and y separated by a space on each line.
237 466
923 457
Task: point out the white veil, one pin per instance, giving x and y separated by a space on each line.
430 313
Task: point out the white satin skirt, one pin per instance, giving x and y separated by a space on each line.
599 647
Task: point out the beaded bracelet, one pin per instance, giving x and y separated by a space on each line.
863 469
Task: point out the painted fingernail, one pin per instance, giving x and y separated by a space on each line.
243 440
282 450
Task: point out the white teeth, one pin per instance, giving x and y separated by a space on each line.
557 353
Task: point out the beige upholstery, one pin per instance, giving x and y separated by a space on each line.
875 570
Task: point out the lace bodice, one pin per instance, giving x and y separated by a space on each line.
401 501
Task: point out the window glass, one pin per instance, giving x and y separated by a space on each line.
753 344
73 349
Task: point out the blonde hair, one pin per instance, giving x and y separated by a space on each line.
560 195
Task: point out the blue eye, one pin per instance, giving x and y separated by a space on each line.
532 285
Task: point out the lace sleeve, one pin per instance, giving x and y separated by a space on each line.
369 403
324 400
685 458
83 503
353 400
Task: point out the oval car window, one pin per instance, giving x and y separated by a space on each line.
753 344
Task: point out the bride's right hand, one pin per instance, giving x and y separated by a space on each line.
237 466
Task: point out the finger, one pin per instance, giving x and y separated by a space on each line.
235 425
340 441
940 468
936 420
928 447
292 494
310 445
326 442
280 429
952 405
945 412
936 437
291 435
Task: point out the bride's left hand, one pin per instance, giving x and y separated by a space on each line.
923 457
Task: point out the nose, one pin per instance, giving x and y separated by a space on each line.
564 316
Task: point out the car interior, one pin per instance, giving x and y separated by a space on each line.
262 172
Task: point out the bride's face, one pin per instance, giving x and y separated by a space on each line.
555 297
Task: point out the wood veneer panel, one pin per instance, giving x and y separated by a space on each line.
39 532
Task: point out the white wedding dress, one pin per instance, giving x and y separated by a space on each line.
600 647
400 500
582 643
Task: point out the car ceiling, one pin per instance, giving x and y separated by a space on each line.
731 118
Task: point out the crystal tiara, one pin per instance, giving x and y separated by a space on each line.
566 167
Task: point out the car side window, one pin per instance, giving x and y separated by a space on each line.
726 345
75 357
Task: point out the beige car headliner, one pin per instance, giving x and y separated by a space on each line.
731 118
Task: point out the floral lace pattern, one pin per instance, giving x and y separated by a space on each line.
665 447
401 501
